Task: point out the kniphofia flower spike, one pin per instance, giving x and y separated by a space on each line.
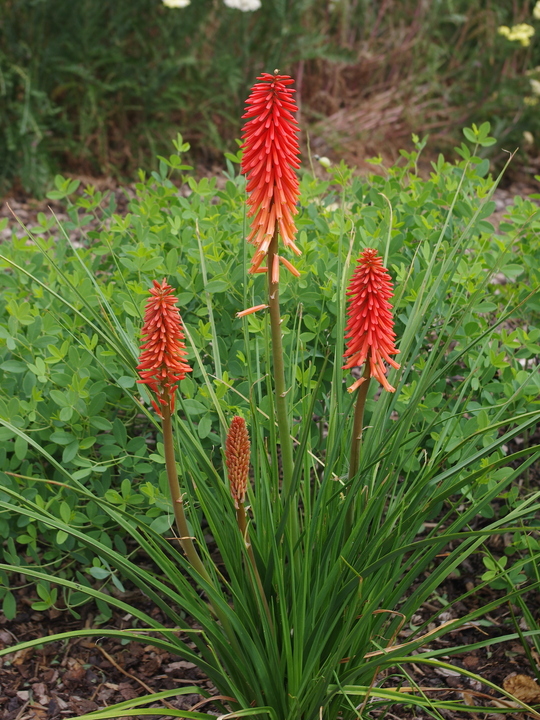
369 332
270 157
237 459
161 363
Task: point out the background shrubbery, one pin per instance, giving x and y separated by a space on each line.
100 87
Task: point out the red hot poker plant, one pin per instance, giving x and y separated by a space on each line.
161 367
161 363
369 332
370 341
270 157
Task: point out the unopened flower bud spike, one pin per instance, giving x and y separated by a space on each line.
237 449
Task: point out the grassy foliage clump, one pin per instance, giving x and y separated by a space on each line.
302 619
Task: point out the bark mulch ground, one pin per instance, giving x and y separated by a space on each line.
68 678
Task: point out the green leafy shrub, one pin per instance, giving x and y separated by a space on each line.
68 381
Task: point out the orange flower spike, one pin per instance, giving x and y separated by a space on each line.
161 363
370 329
270 157
237 459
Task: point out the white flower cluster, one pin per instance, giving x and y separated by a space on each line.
535 86
243 5
536 11
176 3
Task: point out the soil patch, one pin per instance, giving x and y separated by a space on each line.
67 678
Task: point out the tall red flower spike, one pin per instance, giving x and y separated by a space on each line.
237 459
370 326
161 363
271 153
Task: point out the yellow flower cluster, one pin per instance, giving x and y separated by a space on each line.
536 11
521 33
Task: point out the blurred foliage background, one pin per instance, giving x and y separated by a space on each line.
98 87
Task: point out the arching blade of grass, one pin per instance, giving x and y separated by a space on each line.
174 649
